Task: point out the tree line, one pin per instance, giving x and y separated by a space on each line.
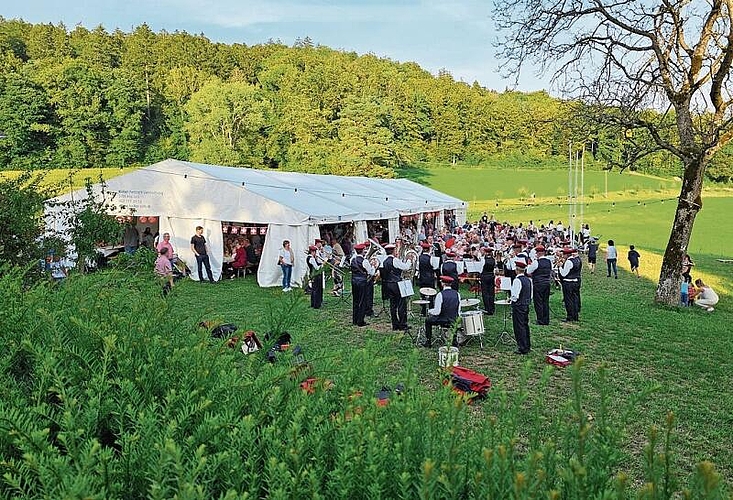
89 98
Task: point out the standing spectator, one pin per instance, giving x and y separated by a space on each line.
705 296
200 249
164 270
592 254
166 243
285 260
131 238
147 238
687 267
634 260
684 294
611 258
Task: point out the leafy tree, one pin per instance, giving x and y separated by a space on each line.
26 122
631 56
225 123
85 223
21 218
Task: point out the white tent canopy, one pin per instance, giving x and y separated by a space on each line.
184 195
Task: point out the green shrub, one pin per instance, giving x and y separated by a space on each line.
108 393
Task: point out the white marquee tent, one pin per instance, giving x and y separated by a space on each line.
183 195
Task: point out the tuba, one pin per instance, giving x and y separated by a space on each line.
411 256
375 254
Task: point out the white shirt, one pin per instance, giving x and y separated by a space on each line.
314 262
517 289
286 256
438 305
565 269
367 265
611 253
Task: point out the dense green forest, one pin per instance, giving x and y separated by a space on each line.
90 98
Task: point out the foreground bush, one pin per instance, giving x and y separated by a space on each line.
108 393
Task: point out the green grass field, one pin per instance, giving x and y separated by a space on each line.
475 183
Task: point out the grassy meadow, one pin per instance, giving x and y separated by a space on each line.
112 391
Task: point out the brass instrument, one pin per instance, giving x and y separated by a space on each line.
373 253
408 254
325 262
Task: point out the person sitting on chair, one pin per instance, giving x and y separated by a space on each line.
445 311
240 258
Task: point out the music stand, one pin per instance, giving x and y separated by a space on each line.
504 337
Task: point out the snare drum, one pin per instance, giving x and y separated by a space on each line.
473 323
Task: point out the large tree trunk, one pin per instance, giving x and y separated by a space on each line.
689 204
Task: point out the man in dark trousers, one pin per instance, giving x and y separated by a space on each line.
200 250
445 311
570 276
391 272
315 273
361 272
541 272
521 296
425 274
487 280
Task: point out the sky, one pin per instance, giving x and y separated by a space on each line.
451 35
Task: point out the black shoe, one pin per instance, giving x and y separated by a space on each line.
362 324
522 353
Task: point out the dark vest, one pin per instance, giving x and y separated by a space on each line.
357 268
391 273
489 264
426 276
574 273
525 296
450 269
541 275
449 307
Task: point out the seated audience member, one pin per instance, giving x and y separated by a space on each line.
240 257
164 270
705 296
58 268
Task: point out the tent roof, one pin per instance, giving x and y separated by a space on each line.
319 198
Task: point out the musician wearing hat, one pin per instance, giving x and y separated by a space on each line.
449 268
315 274
540 271
391 273
446 310
426 273
361 271
521 297
487 280
570 281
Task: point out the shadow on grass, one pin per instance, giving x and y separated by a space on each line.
414 174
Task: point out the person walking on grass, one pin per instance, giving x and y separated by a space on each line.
611 258
634 260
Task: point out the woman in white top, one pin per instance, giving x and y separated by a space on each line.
706 296
611 257
285 260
